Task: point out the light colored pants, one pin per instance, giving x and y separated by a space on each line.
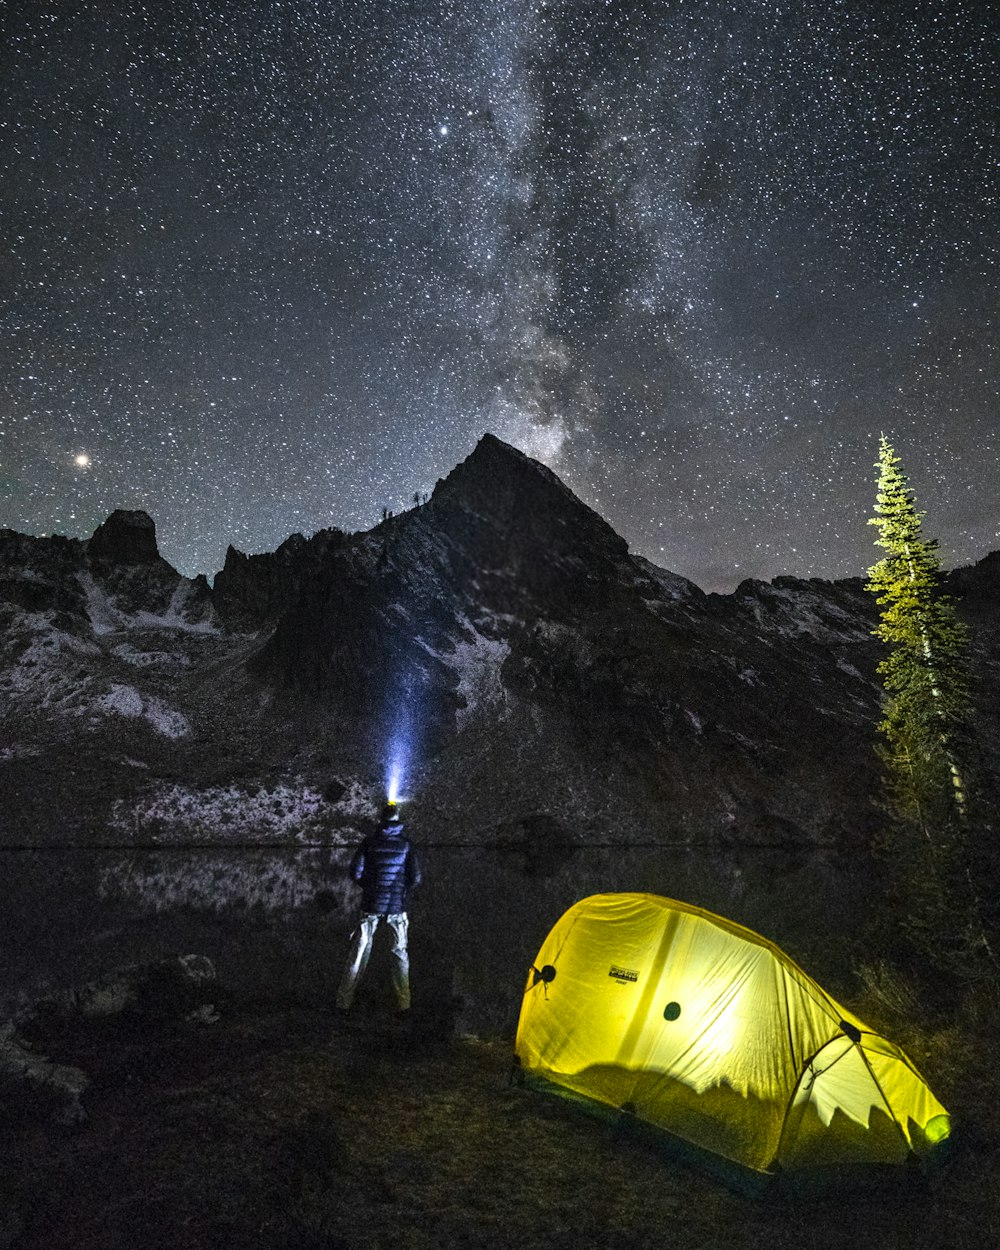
361 949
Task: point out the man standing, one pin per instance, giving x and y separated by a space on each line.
387 869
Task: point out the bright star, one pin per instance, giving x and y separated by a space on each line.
82 460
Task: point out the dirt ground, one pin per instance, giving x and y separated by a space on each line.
286 1129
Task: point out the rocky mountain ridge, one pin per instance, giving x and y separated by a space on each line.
499 642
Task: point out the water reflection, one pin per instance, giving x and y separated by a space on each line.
276 920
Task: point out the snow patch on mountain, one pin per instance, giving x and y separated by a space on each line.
48 641
800 611
671 586
40 672
107 618
478 665
128 702
357 801
104 618
149 659
18 751
232 814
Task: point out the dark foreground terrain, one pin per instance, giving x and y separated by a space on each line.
284 1129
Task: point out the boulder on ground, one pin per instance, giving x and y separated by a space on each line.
171 989
35 1087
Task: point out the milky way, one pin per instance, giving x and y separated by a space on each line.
271 267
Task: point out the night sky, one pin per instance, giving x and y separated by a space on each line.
269 267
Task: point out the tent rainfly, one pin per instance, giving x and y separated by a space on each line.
699 1027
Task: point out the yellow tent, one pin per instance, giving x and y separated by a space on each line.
702 1028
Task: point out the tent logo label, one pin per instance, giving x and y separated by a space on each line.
624 974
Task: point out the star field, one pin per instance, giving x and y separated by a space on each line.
273 266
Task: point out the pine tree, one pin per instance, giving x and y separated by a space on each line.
925 728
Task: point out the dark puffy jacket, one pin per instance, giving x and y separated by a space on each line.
387 869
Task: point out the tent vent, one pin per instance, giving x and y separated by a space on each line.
850 1030
671 1011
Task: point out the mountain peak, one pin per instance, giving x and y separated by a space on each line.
523 497
492 455
125 538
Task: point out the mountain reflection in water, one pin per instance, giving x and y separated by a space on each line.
276 920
